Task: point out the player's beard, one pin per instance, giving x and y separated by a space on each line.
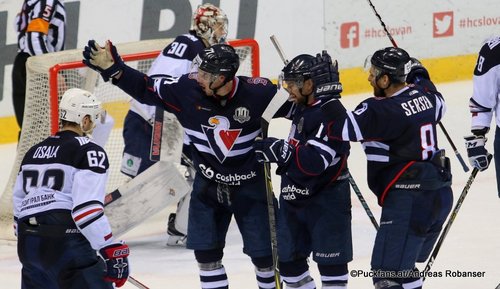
379 92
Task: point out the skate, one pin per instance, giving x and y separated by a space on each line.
175 238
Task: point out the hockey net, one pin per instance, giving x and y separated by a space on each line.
49 75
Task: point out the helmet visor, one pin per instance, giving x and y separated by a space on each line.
290 81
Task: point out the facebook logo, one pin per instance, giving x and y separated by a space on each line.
349 34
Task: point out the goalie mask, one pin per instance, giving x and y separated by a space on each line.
210 23
393 62
76 103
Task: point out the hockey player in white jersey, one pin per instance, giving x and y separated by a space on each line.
209 26
484 101
58 206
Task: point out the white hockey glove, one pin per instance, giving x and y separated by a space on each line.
478 155
273 150
104 60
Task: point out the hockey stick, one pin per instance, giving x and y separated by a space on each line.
268 114
457 153
274 40
363 201
136 283
450 222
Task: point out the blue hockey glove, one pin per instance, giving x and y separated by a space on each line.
478 155
104 60
115 256
325 75
273 150
417 72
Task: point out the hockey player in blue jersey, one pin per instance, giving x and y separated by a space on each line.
221 115
209 26
58 207
484 101
315 201
406 169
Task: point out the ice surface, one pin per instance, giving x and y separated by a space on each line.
471 245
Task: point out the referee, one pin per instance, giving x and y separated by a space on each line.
40 29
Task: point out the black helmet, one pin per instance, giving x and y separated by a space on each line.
220 59
320 69
392 61
299 68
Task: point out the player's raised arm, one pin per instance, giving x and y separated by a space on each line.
110 65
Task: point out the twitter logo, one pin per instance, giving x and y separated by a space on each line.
443 24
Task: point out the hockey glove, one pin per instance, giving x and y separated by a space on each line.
478 155
417 72
104 60
273 150
115 256
325 75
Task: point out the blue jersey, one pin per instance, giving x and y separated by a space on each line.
395 131
318 160
221 137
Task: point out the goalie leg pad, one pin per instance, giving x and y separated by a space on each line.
145 195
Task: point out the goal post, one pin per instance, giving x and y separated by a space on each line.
50 75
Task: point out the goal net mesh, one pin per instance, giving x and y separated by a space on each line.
50 75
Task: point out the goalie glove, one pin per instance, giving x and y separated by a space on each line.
273 150
115 257
104 60
477 153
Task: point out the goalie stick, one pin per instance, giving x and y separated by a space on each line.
157 135
450 141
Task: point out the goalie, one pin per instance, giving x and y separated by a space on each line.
58 206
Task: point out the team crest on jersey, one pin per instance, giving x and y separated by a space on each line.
241 114
220 137
300 125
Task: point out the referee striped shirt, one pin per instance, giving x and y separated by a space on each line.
41 26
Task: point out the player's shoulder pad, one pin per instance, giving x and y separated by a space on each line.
489 56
